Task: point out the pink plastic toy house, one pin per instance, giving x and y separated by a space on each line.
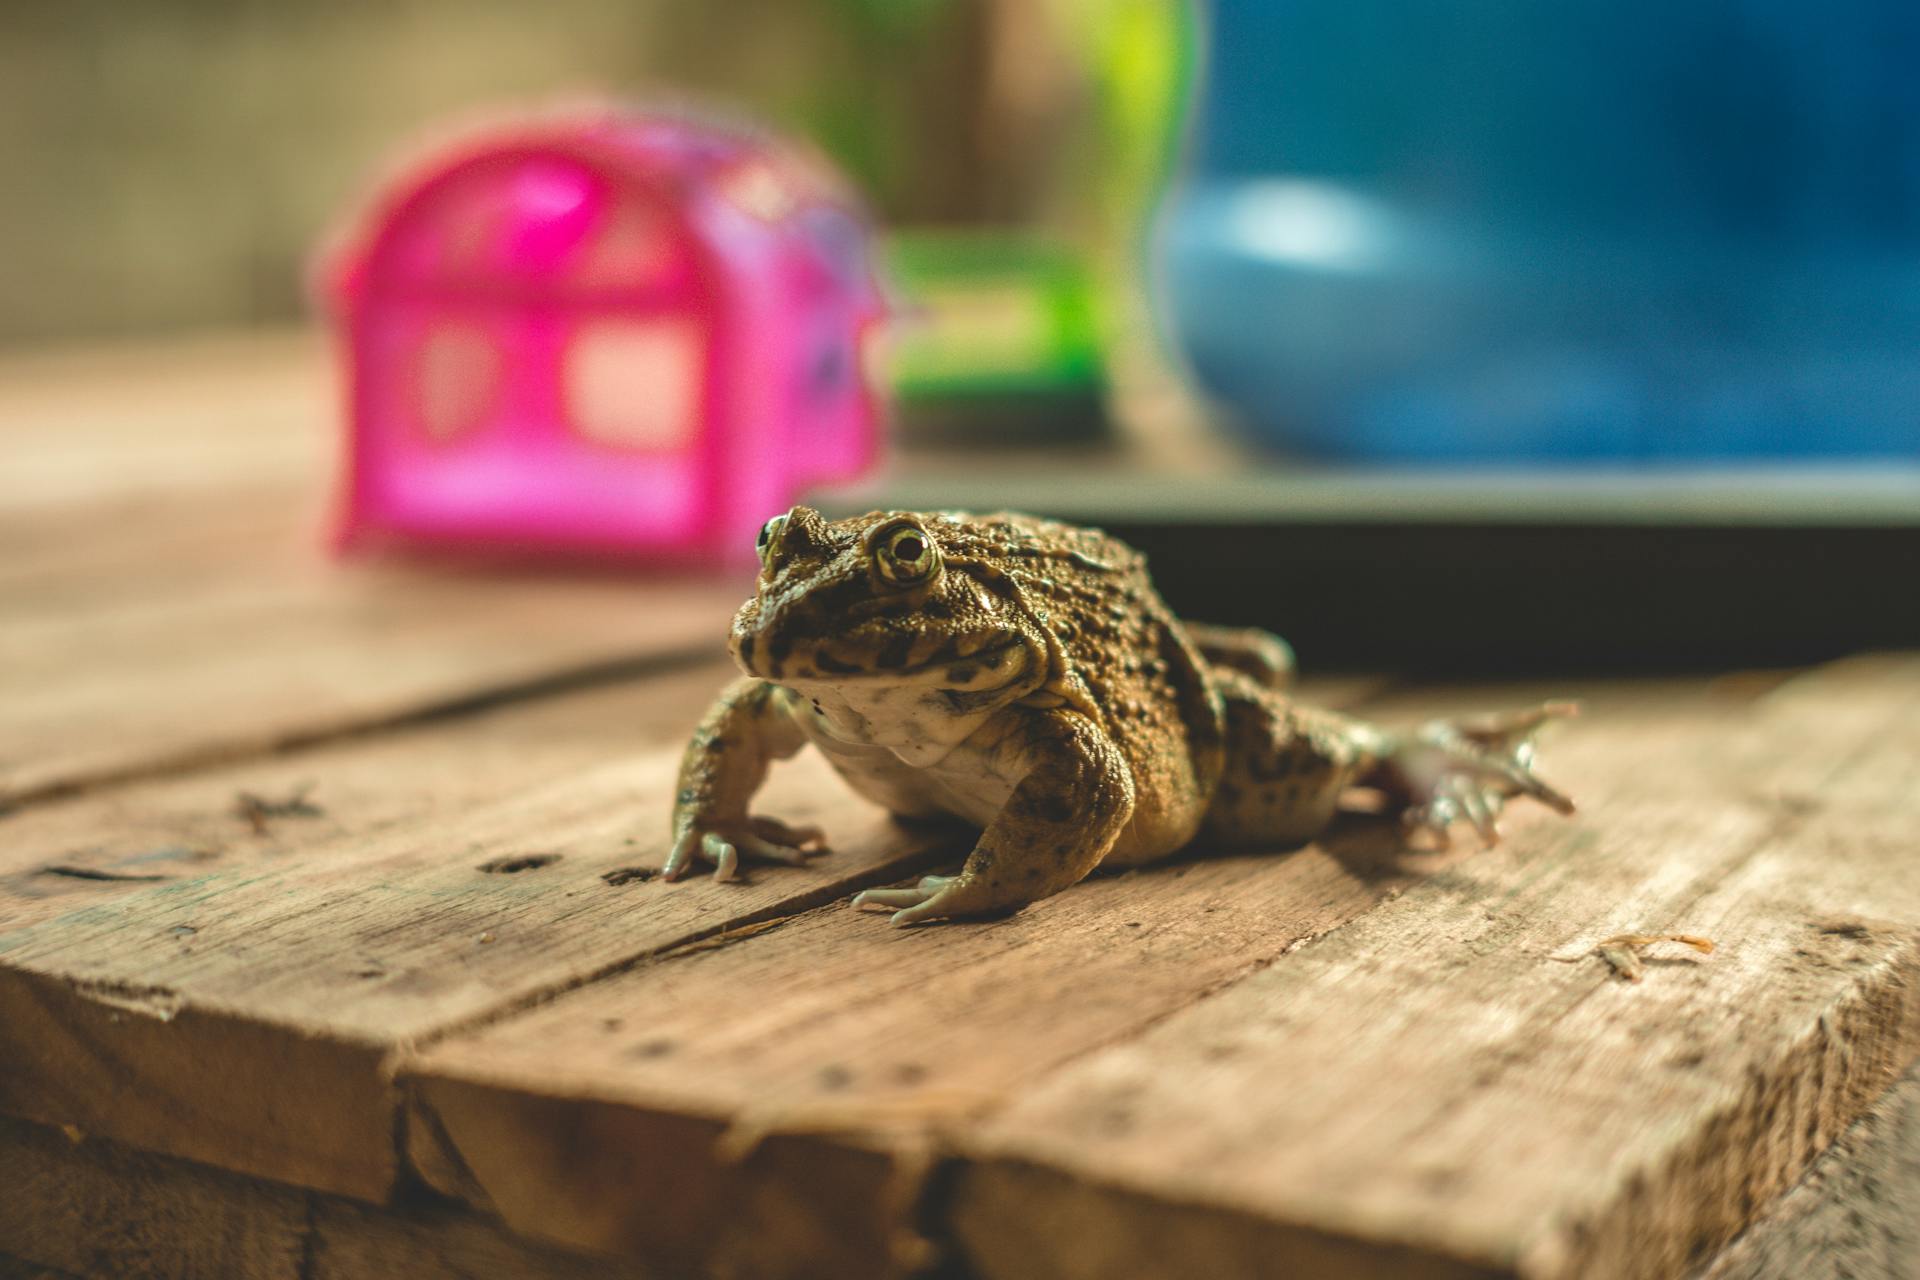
629 335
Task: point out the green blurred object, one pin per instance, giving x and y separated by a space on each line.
992 313
1007 322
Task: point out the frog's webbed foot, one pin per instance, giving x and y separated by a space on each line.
727 845
906 904
1466 770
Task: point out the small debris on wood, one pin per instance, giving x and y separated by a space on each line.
1622 951
486 937
94 873
256 810
627 875
518 862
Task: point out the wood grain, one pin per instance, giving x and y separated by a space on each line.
1434 1079
94 1209
171 978
1856 1215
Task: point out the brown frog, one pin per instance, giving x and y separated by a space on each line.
1024 676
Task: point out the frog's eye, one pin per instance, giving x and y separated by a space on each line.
906 555
769 540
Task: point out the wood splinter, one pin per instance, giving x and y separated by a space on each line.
256 810
1622 951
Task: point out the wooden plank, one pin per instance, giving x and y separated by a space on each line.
623 1116
243 650
1428 1091
172 423
1856 1215
166 600
93 1209
677 1112
304 652
176 980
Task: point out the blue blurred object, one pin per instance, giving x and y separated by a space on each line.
1448 230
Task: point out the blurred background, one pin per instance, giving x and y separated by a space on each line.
175 165
1605 315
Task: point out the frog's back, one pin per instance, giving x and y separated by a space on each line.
1011 539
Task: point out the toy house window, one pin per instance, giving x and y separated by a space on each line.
457 375
635 383
635 245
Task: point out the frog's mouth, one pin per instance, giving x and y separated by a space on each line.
892 707
968 662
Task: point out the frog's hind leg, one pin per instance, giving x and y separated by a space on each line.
1286 767
1261 656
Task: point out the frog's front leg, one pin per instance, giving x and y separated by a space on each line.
748 728
1074 798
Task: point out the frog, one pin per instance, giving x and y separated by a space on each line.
1023 676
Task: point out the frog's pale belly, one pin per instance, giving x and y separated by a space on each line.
901 746
964 784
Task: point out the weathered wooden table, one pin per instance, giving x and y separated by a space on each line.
329 946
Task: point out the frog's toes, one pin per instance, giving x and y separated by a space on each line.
907 905
1455 799
735 843
1508 735
723 854
808 841
687 850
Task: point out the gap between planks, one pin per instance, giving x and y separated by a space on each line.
290 744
